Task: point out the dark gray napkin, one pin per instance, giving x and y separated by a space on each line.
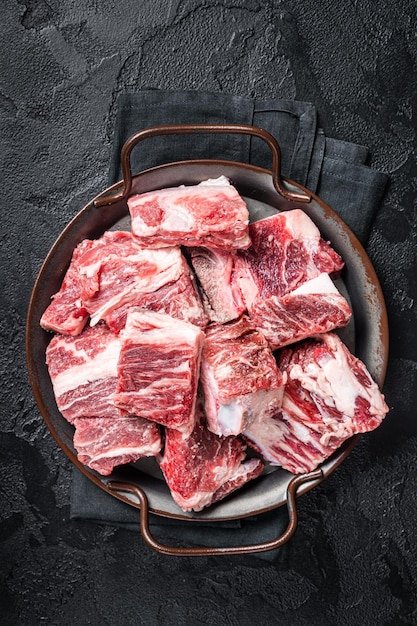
335 170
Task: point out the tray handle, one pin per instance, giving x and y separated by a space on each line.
162 548
200 128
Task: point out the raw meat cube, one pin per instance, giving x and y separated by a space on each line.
110 247
105 442
66 314
202 468
287 250
116 274
158 368
179 299
211 214
239 376
315 307
109 275
329 396
214 269
83 372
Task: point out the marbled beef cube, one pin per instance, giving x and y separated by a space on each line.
239 376
329 396
209 214
202 468
158 368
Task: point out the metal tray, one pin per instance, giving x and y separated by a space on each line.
141 484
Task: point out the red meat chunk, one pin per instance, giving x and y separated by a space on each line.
209 214
67 314
202 468
314 307
116 275
83 372
239 376
329 396
105 442
214 269
287 250
158 368
109 275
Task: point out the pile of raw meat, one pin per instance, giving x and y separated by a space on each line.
198 336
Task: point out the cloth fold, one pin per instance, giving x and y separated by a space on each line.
334 170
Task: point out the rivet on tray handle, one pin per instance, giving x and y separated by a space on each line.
201 128
153 543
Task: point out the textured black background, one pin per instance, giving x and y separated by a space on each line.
353 559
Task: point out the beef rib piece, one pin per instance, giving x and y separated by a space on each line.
221 294
202 468
66 313
211 213
109 275
115 270
287 250
315 307
83 371
329 396
158 368
105 442
239 376
115 274
179 299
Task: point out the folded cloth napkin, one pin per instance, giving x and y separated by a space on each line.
335 170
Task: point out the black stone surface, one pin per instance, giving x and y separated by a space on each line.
353 559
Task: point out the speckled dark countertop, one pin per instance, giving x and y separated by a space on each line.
353 559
